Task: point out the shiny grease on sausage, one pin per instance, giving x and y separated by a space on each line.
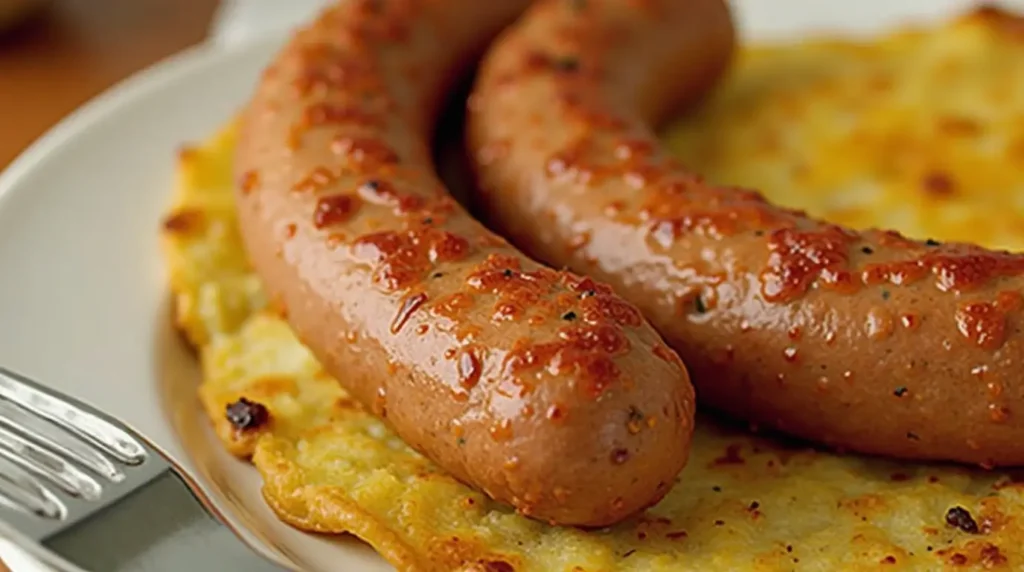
542 388
866 340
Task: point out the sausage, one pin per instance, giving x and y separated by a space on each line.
864 341
542 388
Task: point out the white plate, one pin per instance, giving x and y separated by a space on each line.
82 295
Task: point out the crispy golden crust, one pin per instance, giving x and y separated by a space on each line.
862 340
932 144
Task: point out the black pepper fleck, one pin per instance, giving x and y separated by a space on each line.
507 273
437 274
372 185
569 316
959 517
699 306
635 414
719 522
566 64
244 414
885 294
867 250
912 436
932 242
900 391
716 488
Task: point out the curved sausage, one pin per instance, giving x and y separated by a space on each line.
539 387
865 341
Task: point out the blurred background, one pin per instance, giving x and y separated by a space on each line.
57 54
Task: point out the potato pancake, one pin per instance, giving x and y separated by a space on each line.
915 131
920 131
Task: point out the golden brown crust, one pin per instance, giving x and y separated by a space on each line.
323 510
862 340
540 387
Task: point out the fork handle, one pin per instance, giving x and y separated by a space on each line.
180 535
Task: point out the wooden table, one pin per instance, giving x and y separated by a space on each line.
74 49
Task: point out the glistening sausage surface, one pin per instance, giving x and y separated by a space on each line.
862 340
542 388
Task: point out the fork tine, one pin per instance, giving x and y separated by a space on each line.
108 437
58 441
37 460
21 491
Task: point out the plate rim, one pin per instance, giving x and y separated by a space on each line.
142 82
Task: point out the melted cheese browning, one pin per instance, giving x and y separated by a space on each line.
921 131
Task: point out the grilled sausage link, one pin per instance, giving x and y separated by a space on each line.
541 388
866 341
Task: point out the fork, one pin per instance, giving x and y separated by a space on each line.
81 491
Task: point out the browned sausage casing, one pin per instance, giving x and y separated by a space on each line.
540 387
863 340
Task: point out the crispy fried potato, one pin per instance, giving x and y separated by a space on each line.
748 503
921 131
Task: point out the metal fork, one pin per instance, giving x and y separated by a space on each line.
81 491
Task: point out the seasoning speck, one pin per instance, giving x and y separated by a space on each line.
567 64
635 414
699 306
619 456
900 391
569 316
961 518
244 414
